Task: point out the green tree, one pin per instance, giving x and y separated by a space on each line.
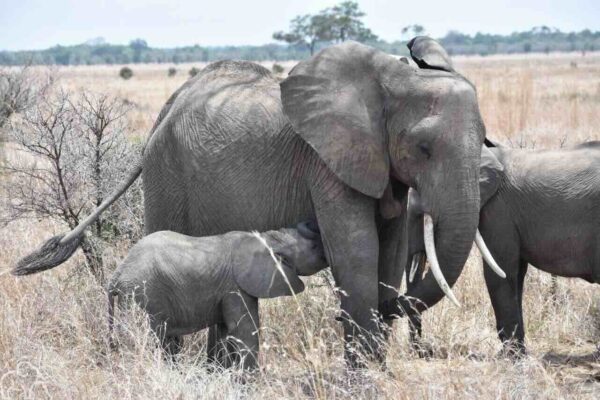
345 20
413 30
339 23
306 31
138 46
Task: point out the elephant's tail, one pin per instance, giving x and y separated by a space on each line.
59 248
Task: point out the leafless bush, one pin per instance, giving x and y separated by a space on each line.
19 90
70 152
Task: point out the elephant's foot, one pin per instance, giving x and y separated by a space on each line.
394 308
513 349
364 351
365 347
422 349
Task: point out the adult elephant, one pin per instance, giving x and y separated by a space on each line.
235 150
539 208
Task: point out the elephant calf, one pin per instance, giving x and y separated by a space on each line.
189 283
537 207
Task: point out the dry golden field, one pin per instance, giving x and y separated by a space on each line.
53 330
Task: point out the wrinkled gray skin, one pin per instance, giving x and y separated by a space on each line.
540 208
340 140
186 284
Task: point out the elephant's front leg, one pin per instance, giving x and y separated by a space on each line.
506 294
240 313
391 263
217 351
415 324
347 223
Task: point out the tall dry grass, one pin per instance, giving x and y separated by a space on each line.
53 327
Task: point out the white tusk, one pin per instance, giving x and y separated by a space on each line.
487 256
414 265
434 265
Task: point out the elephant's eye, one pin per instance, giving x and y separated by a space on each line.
425 149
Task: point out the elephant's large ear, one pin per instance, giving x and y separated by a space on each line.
429 54
489 174
256 272
335 103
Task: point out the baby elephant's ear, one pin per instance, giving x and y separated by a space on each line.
256 272
489 174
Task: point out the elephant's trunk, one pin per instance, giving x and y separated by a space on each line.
454 235
454 227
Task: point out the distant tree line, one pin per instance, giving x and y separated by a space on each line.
540 39
307 34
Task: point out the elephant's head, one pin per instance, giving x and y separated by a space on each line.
372 119
269 265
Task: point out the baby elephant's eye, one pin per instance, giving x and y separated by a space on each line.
425 148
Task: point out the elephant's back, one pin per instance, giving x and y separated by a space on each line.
206 116
225 157
554 199
572 173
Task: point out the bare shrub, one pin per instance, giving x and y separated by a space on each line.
70 152
19 89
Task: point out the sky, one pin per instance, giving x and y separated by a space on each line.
39 24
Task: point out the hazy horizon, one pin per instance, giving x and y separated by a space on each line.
37 24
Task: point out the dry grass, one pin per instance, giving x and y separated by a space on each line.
53 331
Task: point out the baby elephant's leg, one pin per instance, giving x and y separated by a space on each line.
240 313
171 345
217 351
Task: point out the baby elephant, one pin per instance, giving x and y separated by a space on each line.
188 283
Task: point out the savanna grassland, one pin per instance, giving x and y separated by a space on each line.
53 326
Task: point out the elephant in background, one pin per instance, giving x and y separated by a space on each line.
339 140
537 207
